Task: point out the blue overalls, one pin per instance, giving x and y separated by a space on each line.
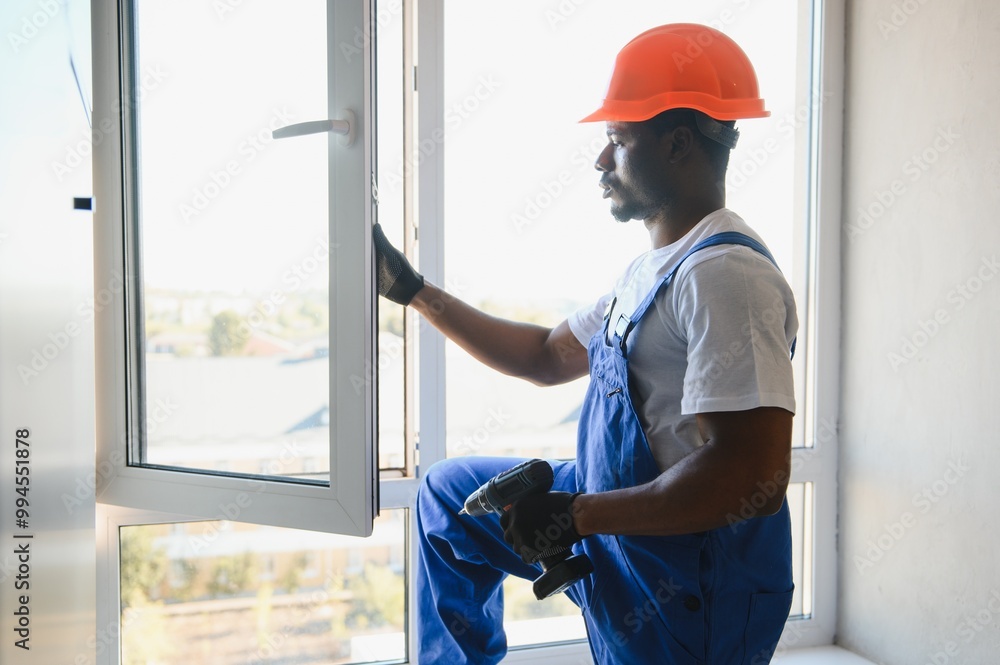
717 597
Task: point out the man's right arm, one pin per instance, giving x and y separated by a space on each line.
544 356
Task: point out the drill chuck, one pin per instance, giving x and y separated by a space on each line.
531 477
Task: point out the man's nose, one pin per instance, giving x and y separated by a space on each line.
605 162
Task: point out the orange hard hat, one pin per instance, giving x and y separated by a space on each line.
681 65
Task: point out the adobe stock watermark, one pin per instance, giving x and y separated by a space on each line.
640 615
223 8
966 631
913 169
385 14
7 568
722 362
549 189
705 38
473 442
924 502
581 160
85 488
459 624
791 635
218 180
742 171
148 80
270 643
767 489
226 511
958 297
900 15
456 115
42 356
390 353
546 539
33 24
294 278
559 12
57 341
108 638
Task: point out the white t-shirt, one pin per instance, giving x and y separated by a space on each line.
716 340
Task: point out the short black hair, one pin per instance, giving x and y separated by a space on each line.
718 154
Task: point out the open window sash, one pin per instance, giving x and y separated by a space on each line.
197 412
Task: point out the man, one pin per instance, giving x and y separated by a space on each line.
688 416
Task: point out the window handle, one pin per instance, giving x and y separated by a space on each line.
345 127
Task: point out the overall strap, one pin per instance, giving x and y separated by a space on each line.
625 324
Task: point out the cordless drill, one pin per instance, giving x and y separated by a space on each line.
560 569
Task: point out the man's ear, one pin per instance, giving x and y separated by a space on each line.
678 143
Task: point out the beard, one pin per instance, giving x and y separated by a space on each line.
631 206
622 213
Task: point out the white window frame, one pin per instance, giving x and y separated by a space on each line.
348 503
816 464
818 201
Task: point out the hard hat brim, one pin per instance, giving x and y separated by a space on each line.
630 111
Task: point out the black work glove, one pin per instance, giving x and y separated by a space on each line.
539 523
397 280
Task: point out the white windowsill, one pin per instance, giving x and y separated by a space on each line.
573 654
820 656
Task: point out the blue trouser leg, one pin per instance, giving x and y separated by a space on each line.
463 562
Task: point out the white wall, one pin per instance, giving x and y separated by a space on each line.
919 545
46 336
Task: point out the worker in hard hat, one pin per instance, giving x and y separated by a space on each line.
677 491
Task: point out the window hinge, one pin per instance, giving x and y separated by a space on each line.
414 78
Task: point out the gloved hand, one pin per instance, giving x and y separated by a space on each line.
539 522
396 278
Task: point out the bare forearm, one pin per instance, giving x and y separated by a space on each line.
517 349
728 479
695 495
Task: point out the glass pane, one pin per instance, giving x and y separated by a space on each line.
221 593
390 173
234 247
529 621
800 505
520 182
